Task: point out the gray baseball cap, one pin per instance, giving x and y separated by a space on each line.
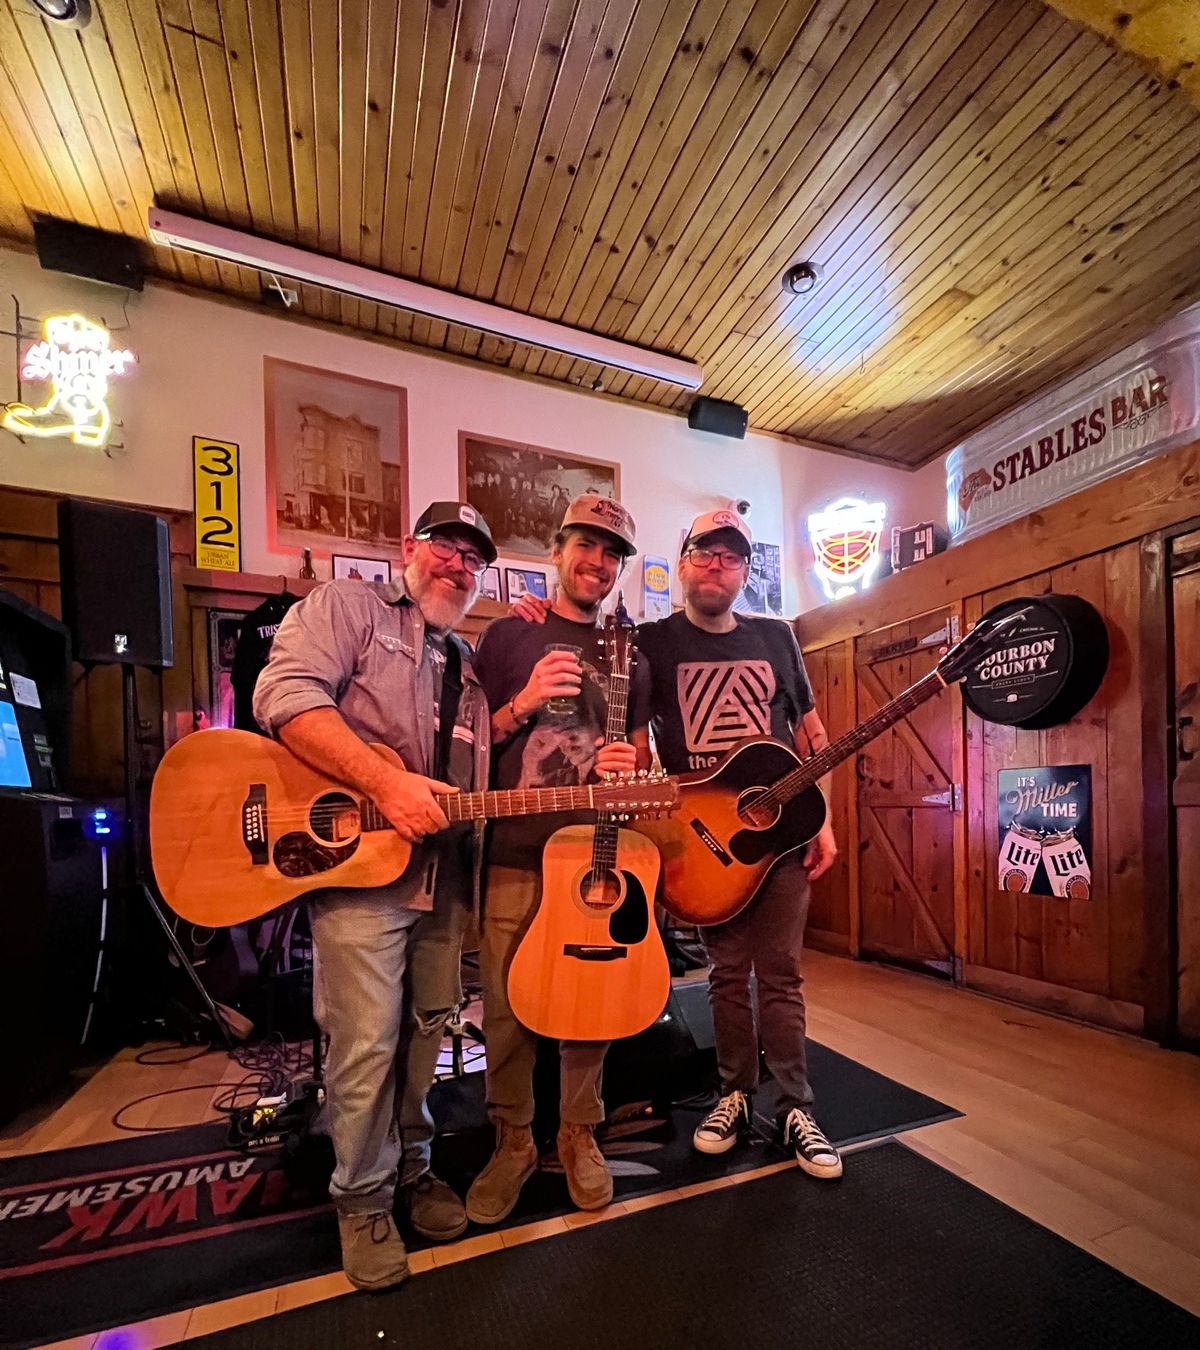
440 516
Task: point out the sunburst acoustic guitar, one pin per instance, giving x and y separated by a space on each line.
591 965
239 826
733 823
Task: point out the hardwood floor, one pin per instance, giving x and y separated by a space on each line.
1091 1133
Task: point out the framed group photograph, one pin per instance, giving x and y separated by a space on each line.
361 569
336 459
523 490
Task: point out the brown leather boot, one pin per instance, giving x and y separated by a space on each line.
588 1178
373 1255
497 1188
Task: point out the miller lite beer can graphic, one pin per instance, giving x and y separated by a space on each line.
1067 865
1020 851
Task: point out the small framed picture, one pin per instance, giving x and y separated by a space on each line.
361 569
523 581
489 583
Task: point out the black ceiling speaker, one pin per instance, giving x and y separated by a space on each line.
1047 667
64 246
716 415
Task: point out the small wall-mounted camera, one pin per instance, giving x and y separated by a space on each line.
741 506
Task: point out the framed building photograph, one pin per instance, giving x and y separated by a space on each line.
523 490
489 583
521 581
336 460
361 569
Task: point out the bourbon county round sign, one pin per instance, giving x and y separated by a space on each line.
1046 668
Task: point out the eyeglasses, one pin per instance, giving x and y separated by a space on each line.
445 550
725 558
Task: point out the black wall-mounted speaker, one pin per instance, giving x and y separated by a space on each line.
719 416
81 251
115 569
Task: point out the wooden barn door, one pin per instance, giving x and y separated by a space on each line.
1185 786
908 794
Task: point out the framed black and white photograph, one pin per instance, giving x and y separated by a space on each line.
523 491
489 583
361 569
336 460
763 591
521 581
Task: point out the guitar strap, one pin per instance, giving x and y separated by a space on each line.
447 709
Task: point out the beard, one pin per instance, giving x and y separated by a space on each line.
709 600
440 606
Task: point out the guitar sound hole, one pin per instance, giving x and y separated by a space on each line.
755 813
599 891
334 818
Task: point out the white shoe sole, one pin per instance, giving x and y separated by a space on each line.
823 1171
714 1145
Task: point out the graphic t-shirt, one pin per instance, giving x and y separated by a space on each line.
551 750
253 648
708 691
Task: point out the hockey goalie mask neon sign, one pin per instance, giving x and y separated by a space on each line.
845 539
76 359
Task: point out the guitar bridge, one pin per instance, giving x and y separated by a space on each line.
254 824
586 951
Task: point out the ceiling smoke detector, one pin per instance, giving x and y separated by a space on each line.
803 277
71 13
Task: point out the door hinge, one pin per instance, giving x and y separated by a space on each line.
952 797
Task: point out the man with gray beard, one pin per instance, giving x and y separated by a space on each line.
355 663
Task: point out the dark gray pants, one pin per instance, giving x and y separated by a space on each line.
765 939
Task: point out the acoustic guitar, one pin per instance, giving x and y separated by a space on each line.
239 826
734 822
591 966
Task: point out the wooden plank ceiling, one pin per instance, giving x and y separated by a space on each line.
996 196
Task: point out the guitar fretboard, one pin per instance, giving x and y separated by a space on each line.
464 806
604 840
824 761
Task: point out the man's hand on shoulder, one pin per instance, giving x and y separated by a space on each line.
530 608
410 802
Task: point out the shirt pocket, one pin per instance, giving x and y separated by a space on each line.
393 645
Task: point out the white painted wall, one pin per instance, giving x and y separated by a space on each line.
199 372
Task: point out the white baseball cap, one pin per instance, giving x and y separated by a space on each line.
718 522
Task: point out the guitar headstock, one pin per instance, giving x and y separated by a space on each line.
969 650
620 647
645 793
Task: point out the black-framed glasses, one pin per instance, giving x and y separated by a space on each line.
725 558
445 549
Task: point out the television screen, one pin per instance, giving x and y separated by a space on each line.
14 770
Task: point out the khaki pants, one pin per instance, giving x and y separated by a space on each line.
512 898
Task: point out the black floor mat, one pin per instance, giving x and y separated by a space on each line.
222 1225
899 1255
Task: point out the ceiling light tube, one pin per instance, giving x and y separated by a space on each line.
217 241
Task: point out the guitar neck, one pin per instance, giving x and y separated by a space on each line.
824 761
604 839
468 806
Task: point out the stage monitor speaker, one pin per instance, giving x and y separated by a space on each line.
718 416
115 568
81 251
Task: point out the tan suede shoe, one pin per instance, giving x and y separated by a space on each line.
497 1188
373 1254
588 1178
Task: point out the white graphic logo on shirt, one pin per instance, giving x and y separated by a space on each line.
723 702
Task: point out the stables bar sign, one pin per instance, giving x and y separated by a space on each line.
1136 405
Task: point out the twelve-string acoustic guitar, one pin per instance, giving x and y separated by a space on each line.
239 826
591 965
734 822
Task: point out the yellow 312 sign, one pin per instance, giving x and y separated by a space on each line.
218 504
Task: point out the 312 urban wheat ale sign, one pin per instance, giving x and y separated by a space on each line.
1046 831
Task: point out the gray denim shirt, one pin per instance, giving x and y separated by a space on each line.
360 648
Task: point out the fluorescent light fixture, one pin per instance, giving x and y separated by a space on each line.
216 241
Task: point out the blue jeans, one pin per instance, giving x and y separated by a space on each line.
386 980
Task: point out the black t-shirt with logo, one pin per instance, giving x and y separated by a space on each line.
551 750
708 691
255 637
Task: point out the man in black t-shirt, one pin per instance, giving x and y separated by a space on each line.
549 713
717 678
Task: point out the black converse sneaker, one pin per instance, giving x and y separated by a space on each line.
814 1153
718 1131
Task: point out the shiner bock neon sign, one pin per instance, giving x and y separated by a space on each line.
76 359
845 539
